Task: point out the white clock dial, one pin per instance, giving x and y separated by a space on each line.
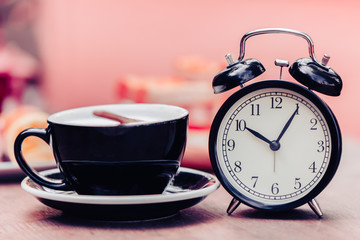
273 146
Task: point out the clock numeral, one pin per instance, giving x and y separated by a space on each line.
240 125
312 167
255 110
275 189
255 179
237 167
297 109
276 102
297 183
314 122
231 144
321 146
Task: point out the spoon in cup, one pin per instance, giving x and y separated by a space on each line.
115 117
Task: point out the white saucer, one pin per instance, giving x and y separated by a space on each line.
188 188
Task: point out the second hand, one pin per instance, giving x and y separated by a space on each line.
274 160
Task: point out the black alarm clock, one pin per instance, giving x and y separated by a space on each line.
274 144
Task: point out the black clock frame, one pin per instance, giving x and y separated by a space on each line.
336 142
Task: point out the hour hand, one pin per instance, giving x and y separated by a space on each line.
258 135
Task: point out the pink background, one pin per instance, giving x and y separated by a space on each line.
87 45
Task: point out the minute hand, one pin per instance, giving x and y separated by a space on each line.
287 124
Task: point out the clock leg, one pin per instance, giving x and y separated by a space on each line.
314 205
233 206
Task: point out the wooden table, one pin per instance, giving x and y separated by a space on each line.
23 217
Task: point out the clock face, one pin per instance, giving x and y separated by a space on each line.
274 145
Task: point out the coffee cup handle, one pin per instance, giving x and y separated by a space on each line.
33 174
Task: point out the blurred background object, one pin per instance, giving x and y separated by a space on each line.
187 86
87 52
20 68
14 121
20 80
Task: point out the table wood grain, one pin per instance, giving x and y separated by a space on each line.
23 217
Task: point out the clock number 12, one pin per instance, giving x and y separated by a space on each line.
276 102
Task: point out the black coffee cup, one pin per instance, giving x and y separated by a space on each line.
101 156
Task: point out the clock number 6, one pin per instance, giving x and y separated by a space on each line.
274 188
